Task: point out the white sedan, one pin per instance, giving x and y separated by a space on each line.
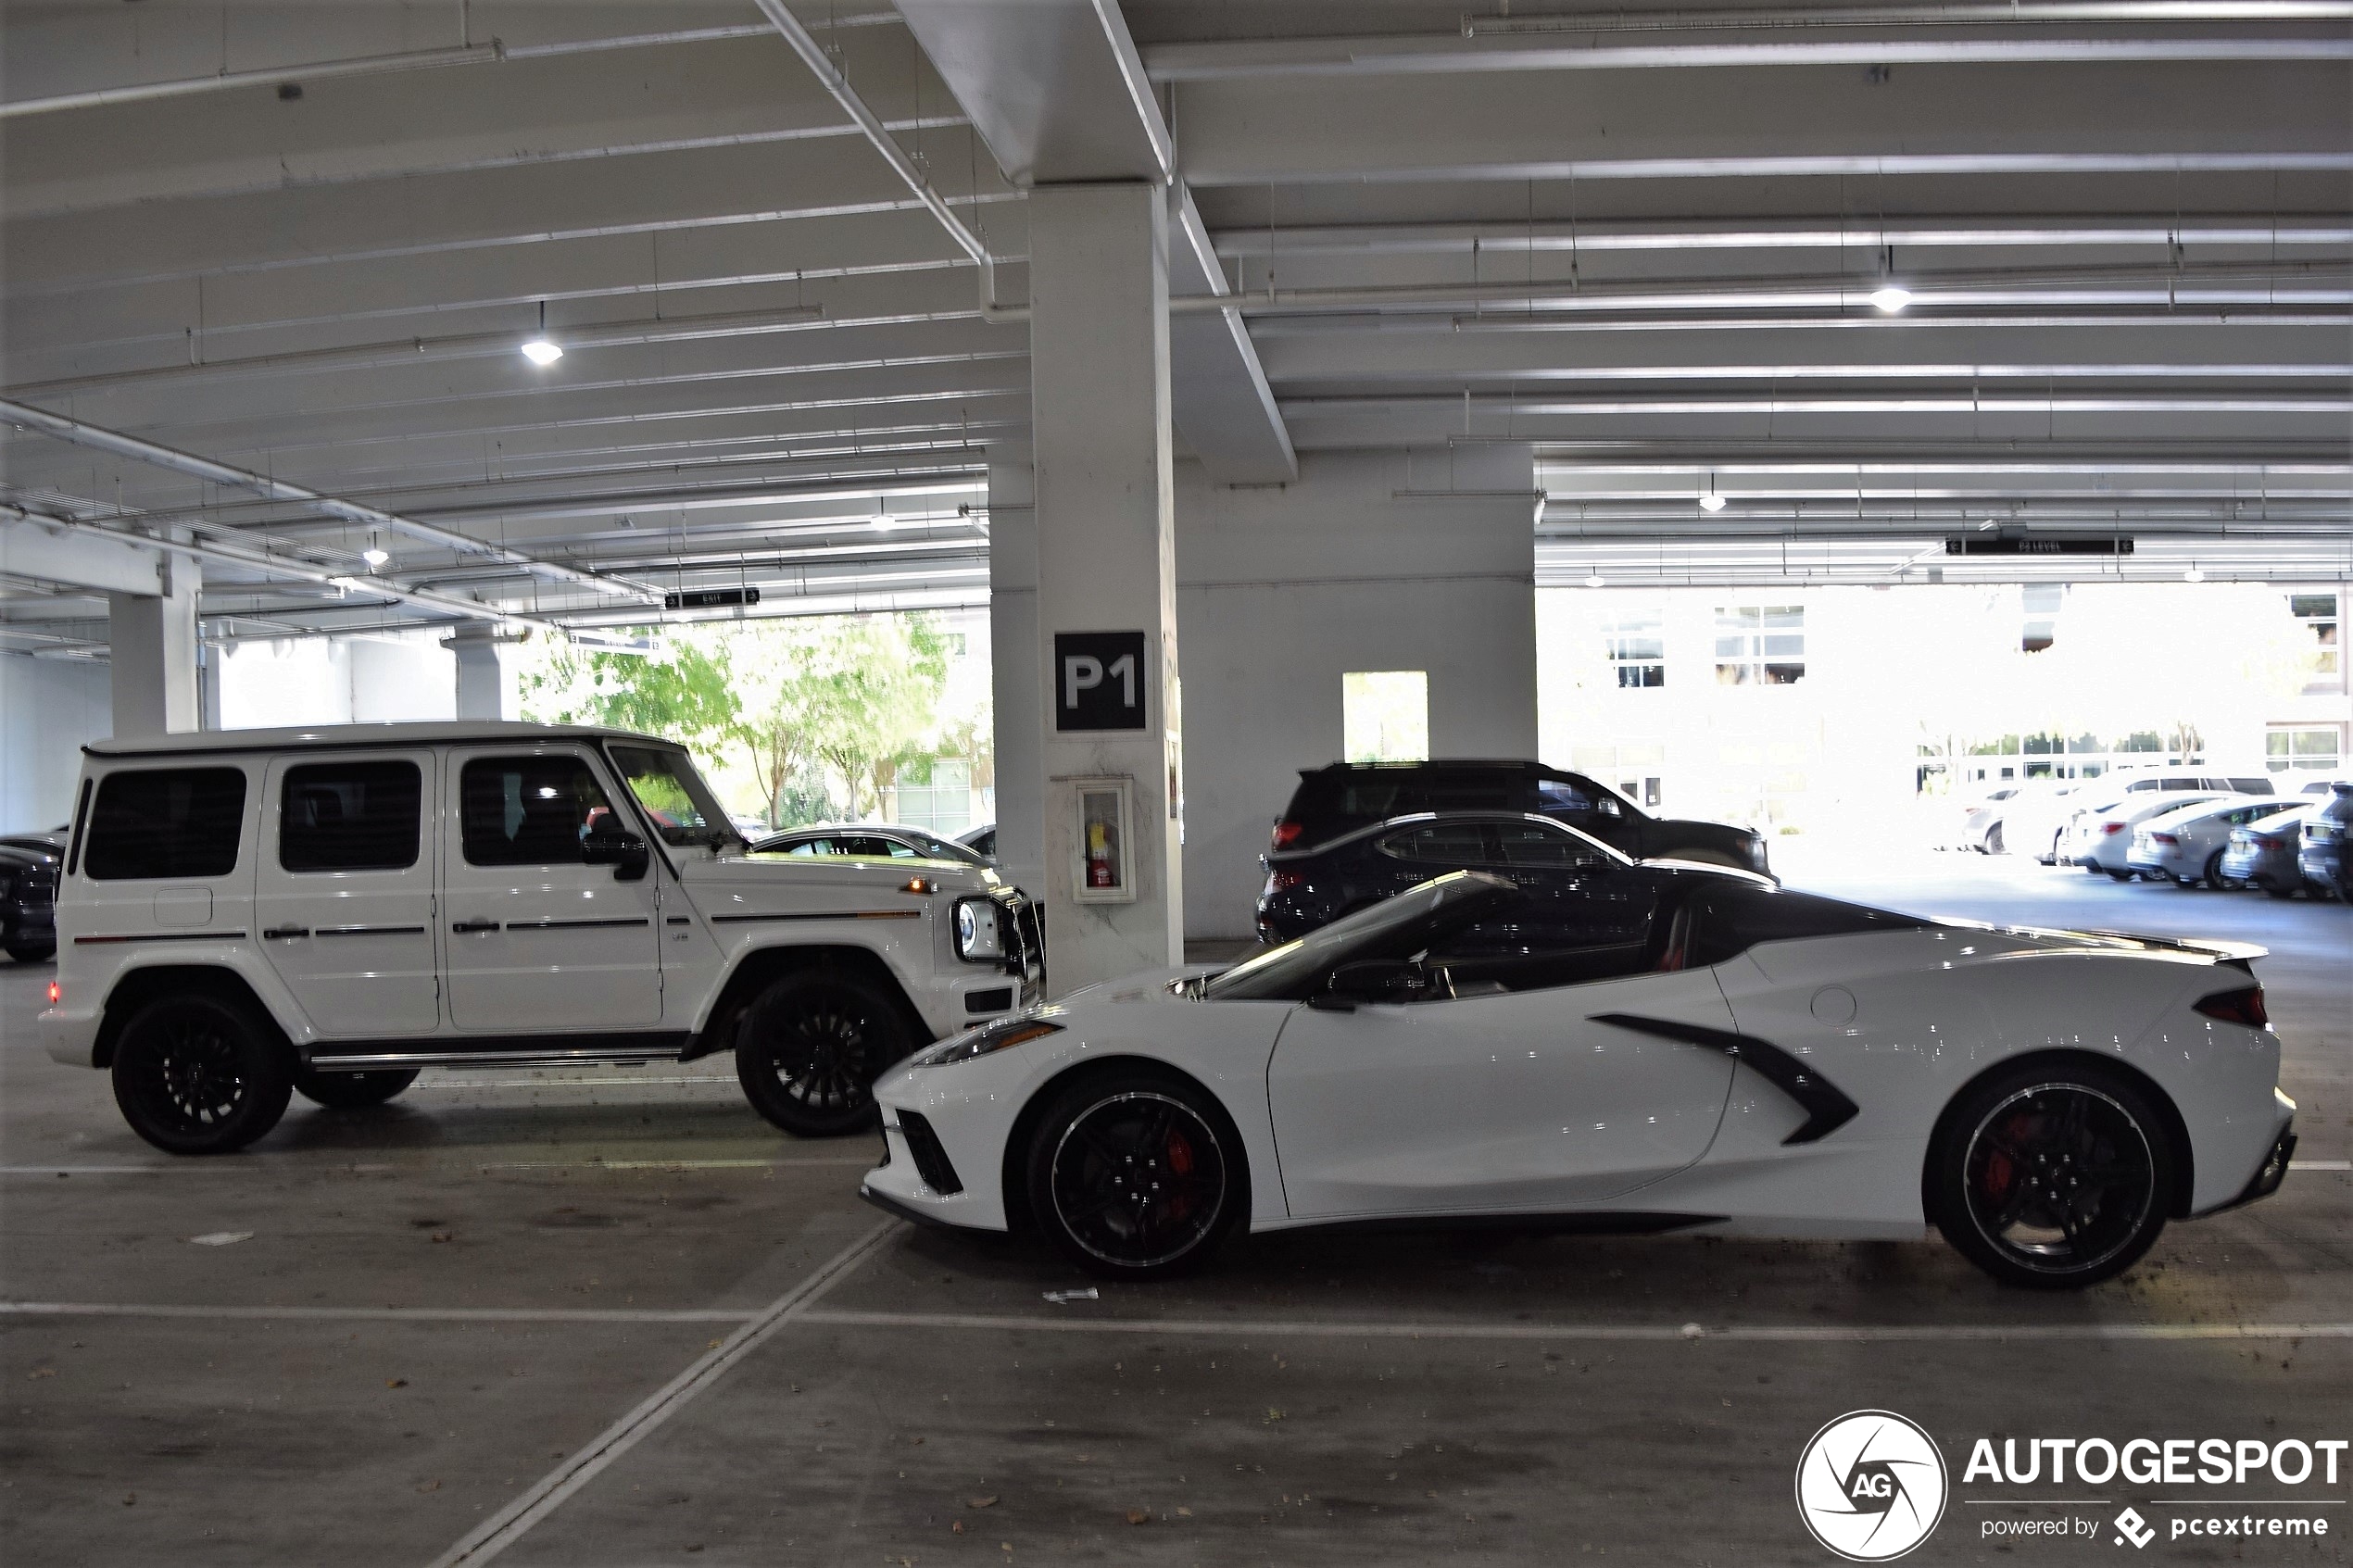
1763 1063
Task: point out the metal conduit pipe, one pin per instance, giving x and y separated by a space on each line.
829 76
278 566
101 439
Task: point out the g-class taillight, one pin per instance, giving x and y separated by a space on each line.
2242 1005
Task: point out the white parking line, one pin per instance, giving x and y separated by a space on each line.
384 1168
508 1526
372 1315
1801 1334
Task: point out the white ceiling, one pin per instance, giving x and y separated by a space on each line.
1643 241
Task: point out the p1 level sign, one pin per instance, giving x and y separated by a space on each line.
1098 680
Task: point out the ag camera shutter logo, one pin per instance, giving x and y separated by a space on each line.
1871 1486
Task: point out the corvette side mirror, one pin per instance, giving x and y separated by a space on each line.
1371 981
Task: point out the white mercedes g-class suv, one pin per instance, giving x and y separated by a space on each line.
247 913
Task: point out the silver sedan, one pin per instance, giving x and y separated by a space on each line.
2186 847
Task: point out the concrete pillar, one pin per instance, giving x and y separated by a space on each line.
1012 634
152 642
486 689
1106 564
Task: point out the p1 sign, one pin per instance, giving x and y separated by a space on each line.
1100 680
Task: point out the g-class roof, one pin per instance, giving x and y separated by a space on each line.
344 736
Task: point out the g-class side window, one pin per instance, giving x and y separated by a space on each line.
165 822
349 817
528 810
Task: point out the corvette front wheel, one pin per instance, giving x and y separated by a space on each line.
1136 1175
2052 1178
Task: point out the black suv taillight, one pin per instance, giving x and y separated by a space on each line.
1288 833
2242 1005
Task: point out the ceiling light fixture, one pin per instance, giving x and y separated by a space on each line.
1891 298
375 556
882 518
2194 574
1594 580
542 350
1711 502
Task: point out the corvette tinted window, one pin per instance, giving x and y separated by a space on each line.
1727 921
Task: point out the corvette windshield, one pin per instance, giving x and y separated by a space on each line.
1400 926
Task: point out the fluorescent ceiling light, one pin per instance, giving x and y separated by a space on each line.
1891 298
1711 502
1594 580
540 351
2193 574
883 519
375 556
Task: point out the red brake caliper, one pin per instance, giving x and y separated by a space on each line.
1180 1163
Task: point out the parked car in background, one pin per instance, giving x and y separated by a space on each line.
981 841
1580 889
250 913
2186 845
28 897
2324 858
2101 841
2262 854
2031 820
2099 794
887 841
1981 827
1346 796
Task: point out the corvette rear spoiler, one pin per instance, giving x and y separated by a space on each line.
2237 955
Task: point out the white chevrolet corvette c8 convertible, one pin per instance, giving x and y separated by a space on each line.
1762 1062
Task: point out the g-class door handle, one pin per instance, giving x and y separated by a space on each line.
473 925
277 933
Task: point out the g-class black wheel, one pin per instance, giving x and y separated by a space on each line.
810 1047
351 1091
2054 1178
1136 1175
199 1075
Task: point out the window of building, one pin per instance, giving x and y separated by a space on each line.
1385 715
1760 646
528 810
2320 613
2304 748
166 823
1636 643
349 817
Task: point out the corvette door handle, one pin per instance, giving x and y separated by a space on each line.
277 933
465 926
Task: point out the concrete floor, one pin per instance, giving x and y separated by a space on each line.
613 1320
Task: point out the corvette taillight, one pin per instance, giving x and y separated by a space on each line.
2242 1005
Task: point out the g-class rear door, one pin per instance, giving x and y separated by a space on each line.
344 901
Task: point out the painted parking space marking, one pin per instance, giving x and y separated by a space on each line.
1795 1334
511 1524
369 1314
386 1168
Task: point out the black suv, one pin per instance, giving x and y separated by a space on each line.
2326 857
1348 796
29 895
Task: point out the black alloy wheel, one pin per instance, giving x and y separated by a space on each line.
200 1074
352 1091
2052 1179
810 1047
1136 1176
32 952
2213 876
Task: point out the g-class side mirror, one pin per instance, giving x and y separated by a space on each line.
1371 981
624 852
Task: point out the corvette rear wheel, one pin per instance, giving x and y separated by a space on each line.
2052 1178
1136 1176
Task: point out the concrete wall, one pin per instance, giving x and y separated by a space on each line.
336 680
49 709
1283 589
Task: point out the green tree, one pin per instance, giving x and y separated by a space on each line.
684 690
856 696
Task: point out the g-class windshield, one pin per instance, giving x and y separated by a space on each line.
674 796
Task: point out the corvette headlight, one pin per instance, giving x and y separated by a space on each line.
1004 1034
980 931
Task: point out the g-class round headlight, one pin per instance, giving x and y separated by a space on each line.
980 932
1004 1034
